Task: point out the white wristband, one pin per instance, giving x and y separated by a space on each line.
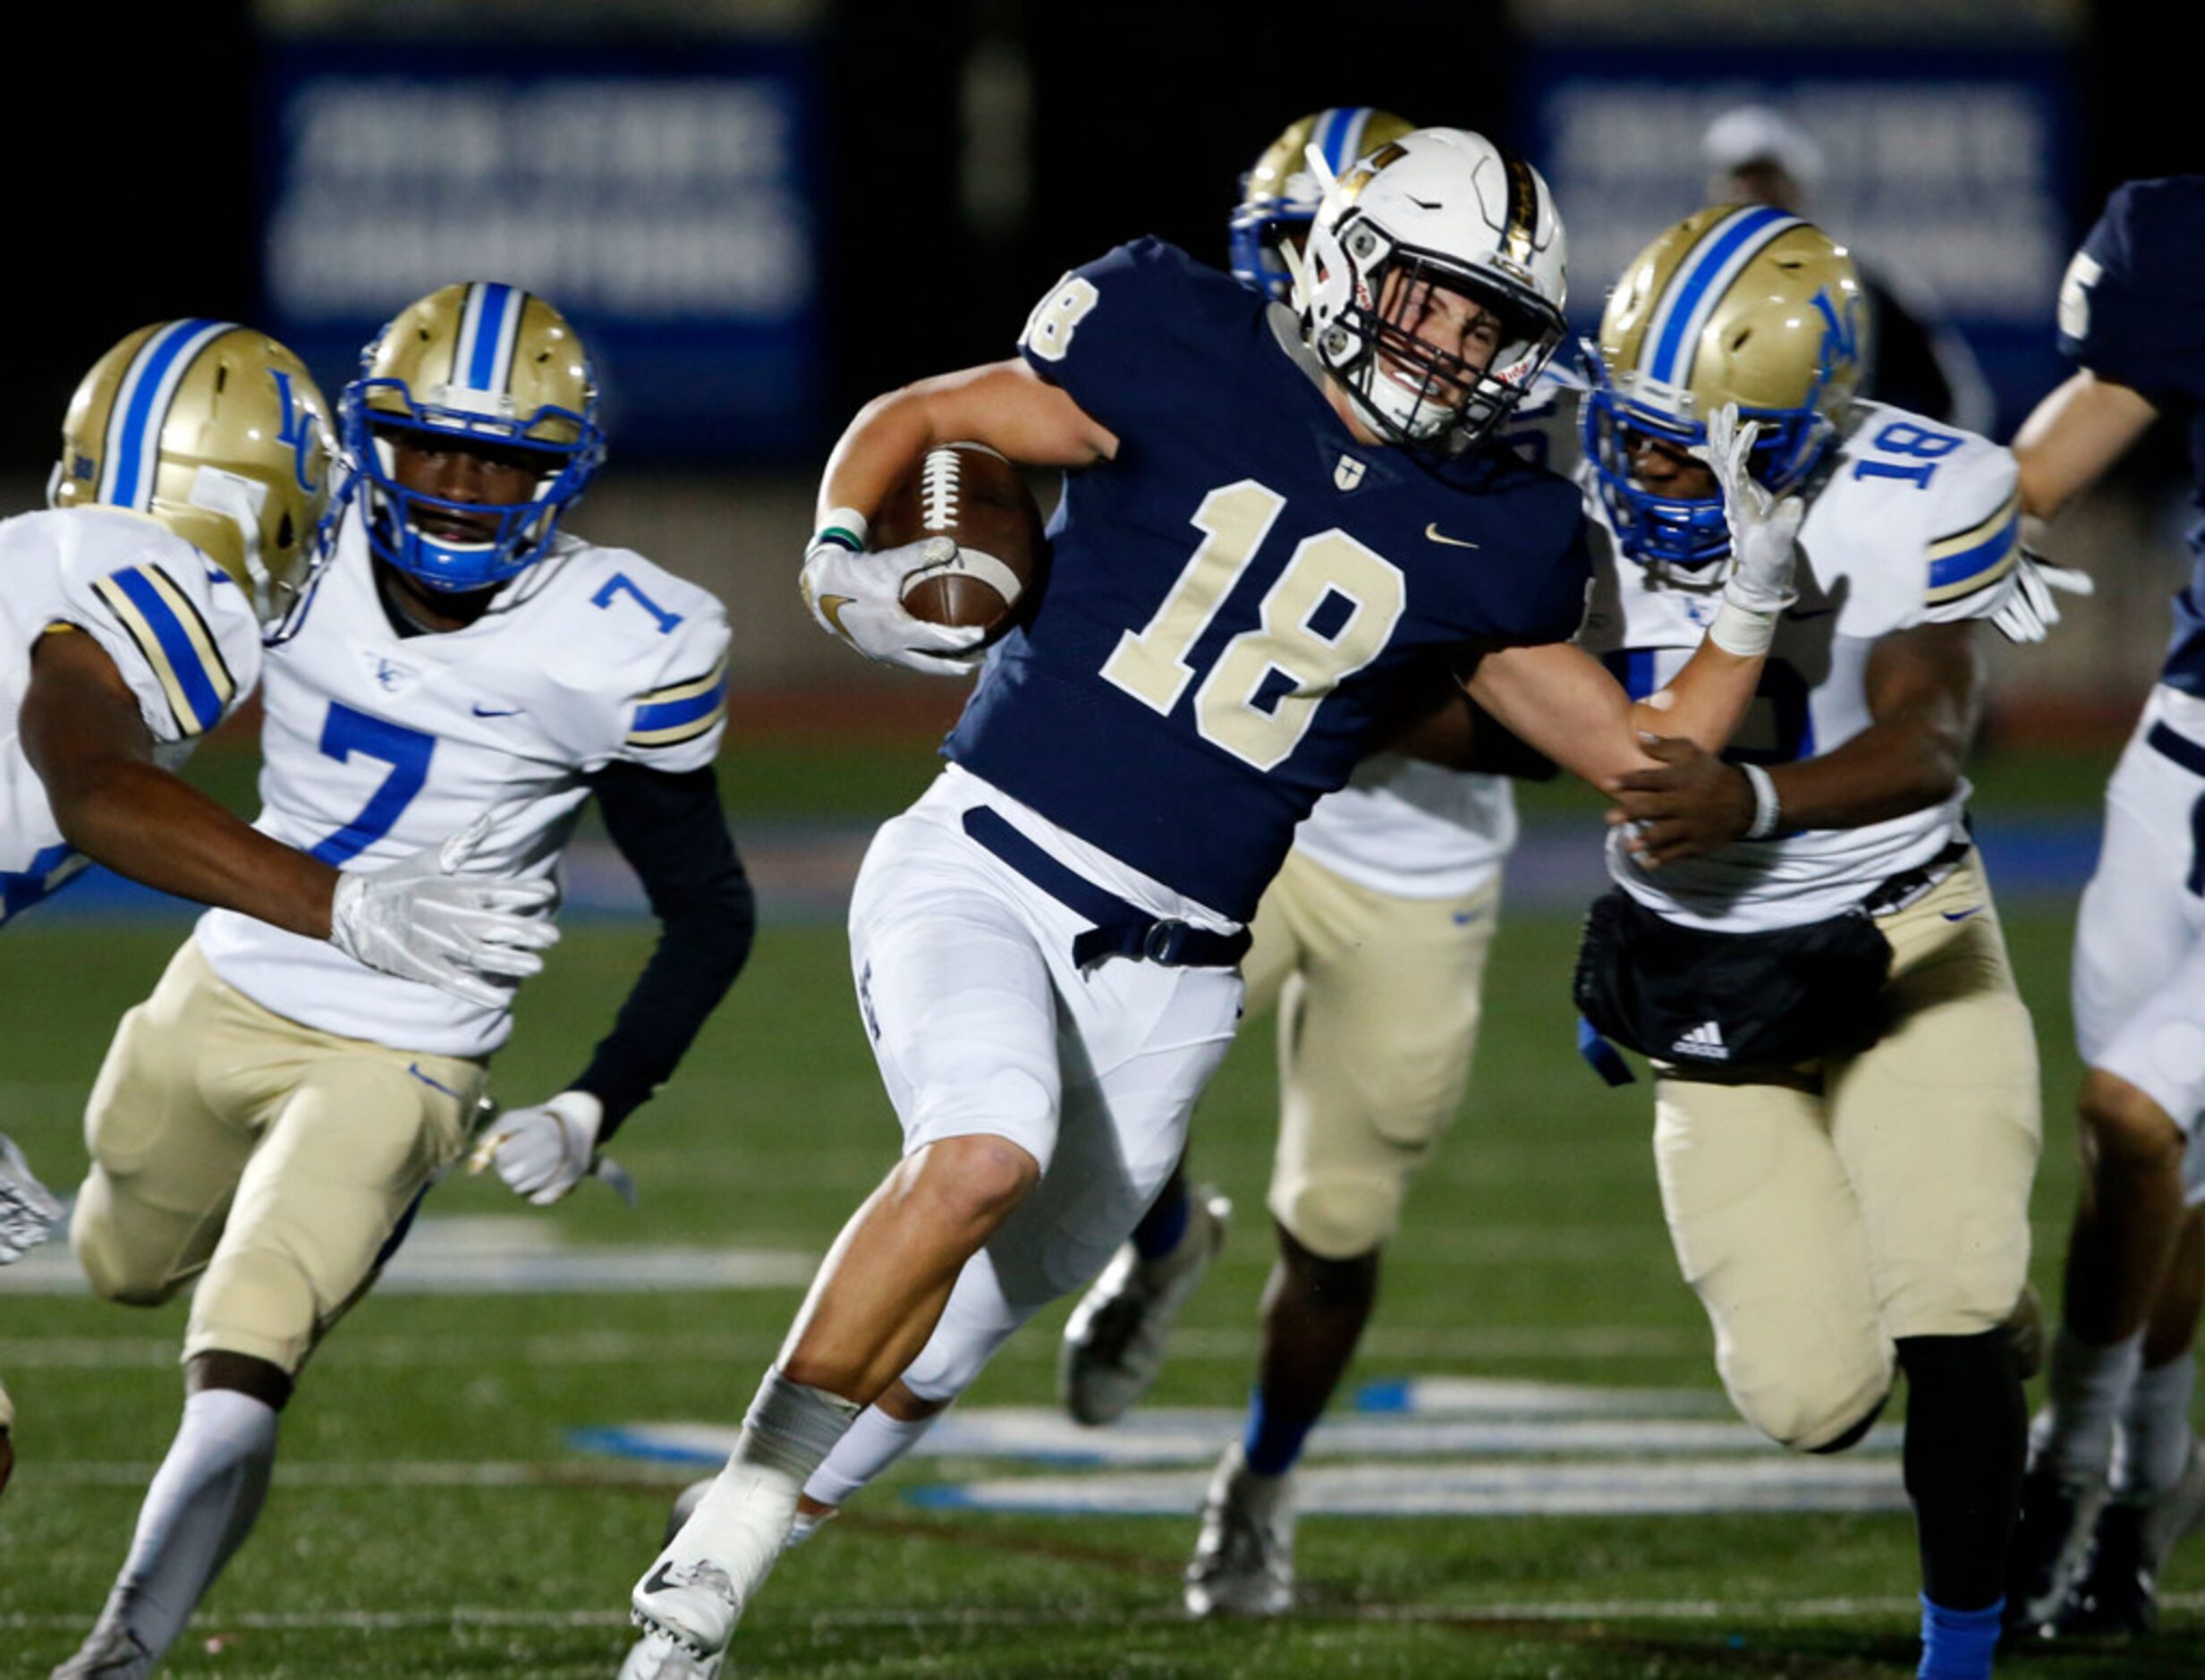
843 525
1767 812
1743 631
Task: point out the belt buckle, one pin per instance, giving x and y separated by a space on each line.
1164 942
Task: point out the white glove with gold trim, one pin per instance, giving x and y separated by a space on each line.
858 595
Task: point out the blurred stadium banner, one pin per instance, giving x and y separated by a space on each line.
1946 169
664 193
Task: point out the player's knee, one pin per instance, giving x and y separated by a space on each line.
1339 1218
257 1302
971 1180
2125 1131
1823 1407
132 1274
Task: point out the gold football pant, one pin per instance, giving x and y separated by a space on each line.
277 1159
1821 1213
1377 1015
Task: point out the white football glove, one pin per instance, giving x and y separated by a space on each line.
2030 609
28 1208
421 919
858 595
1762 528
543 1153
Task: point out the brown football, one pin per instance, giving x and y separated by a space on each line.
972 496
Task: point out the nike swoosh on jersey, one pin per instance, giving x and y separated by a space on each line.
495 711
1433 531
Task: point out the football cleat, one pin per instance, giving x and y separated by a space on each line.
1113 1349
1243 1559
695 1592
112 1652
656 1656
2051 1549
2118 1590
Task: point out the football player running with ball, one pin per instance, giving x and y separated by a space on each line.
1372 942
269 1118
186 512
1265 526
2116 1417
1802 937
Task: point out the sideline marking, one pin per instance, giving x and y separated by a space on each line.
503 1254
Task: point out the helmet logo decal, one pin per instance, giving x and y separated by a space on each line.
296 432
1841 339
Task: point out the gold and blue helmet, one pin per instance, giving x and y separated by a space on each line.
1280 194
1736 303
484 363
221 434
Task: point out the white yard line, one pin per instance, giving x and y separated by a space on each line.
1838 1609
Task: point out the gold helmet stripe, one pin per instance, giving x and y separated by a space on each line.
131 453
1522 230
1700 283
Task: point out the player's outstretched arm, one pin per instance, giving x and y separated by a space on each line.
2077 431
419 918
83 735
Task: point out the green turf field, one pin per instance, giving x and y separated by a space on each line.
431 1518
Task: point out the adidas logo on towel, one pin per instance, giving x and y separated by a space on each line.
1704 1041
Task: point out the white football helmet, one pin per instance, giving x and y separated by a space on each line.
1446 209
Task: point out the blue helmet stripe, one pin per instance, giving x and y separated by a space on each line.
148 385
1700 282
484 353
1346 125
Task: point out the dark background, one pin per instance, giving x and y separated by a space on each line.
140 203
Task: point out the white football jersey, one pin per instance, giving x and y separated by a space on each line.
1914 523
1412 829
377 744
182 634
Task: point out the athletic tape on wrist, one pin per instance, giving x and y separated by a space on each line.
845 528
1768 811
1743 631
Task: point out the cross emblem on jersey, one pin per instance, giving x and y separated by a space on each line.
390 675
1347 472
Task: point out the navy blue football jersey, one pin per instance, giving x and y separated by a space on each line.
2131 310
1232 597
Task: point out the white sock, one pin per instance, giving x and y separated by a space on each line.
2155 1431
2072 1436
201 1504
873 1443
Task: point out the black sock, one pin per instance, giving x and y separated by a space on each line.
1967 1435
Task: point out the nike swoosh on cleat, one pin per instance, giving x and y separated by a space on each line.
1433 531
